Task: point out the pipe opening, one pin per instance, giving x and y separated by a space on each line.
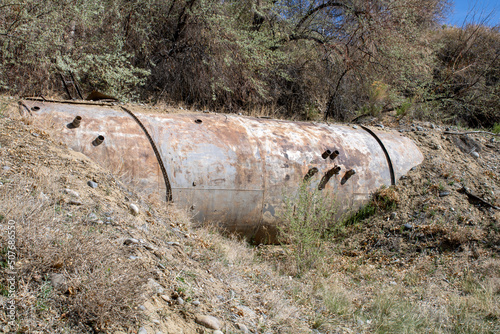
75 124
98 141
35 108
328 175
334 154
310 174
347 175
198 121
326 154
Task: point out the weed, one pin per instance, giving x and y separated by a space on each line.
307 217
43 296
363 213
337 302
496 128
403 109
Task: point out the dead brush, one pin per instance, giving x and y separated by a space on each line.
386 198
98 288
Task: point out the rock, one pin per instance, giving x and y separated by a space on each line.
6 168
150 247
75 202
156 321
180 301
443 193
142 330
394 215
92 217
408 227
380 125
433 126
419 128
58 281
475 154
71 192
156 287
196 302
217 332
208 321
142 307
173 243
92 184
130 241
133 209
242 328
132 257
165 298
354 126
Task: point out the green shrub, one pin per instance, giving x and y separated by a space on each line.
307 218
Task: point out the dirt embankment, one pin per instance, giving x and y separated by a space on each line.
94 257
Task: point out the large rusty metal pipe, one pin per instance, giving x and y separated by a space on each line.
233 170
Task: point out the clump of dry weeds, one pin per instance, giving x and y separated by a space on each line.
68 273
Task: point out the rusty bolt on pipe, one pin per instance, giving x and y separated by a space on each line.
347 175
310 174
326 154
328 175
98 141
334 154
76 123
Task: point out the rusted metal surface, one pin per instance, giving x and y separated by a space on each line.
229 169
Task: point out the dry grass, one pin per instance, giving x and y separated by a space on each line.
100 287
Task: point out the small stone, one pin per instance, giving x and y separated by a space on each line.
443 193
173 243
159 332
433 126
150 247
380 126
165 298
394 215
142 307
75 202
354 126
217 332
132 257
58 281
419 128
92 184
242 328
392 283
142 330
408 227
180 301
130 241
475 154
6 168
196 302
452 209
71 192
156 321
208 321
133 209
92 217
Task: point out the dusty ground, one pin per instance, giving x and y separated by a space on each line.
87 263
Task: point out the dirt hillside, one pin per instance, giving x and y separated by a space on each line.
91 256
